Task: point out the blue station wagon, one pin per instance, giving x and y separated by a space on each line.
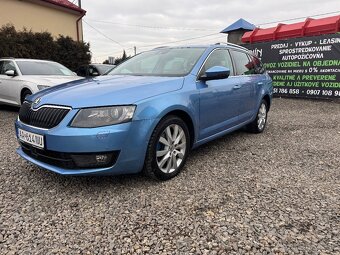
147 113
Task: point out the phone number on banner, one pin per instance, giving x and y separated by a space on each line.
307 92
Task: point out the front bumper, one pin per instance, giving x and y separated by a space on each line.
127 141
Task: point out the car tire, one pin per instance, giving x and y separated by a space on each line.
260 122
25 94
168 149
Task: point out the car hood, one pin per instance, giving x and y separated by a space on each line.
49 80
107 90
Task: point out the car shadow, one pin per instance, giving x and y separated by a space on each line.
90 182
9 108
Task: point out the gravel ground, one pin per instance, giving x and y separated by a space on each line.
273 193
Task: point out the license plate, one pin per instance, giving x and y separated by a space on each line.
31 138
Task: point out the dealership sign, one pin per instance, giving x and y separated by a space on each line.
303 67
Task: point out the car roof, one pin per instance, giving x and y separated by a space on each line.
27 59
216 45
204 45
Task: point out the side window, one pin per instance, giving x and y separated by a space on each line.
6 66
243 65
219 57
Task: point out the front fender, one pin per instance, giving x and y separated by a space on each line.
30 86
157 107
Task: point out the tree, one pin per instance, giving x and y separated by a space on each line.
27 44
122 59
71 53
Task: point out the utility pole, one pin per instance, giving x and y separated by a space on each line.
79 3
135 49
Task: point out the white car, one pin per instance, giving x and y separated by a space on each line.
22 77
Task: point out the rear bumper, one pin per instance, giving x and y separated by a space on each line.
127 141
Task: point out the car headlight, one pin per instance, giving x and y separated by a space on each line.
103 116
41 87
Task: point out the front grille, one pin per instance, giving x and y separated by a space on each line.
67 160
45 117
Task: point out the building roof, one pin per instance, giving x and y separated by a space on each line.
240 24
309 27
66 4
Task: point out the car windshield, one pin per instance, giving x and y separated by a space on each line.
160 62
43 68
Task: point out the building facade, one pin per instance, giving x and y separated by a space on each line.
58 17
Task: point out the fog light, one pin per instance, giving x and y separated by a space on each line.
95 160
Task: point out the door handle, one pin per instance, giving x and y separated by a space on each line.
237 86
260 83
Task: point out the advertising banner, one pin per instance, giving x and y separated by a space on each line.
302 67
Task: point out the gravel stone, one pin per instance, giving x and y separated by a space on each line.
272 193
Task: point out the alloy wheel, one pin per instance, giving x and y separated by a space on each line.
171 148
262 116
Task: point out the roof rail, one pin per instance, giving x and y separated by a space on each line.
230 44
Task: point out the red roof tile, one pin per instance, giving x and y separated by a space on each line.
66 4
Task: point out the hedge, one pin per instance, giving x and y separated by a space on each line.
28 44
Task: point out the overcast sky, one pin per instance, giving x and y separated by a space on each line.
149 23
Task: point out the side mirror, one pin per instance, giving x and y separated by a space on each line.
10 73
95 74
216 73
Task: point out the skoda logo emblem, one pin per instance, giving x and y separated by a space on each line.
36 102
